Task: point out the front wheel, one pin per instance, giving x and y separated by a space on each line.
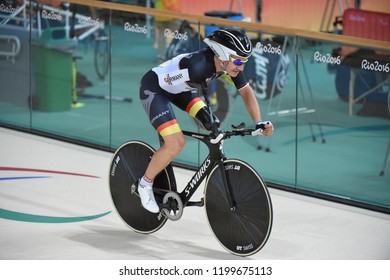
245 230
128 164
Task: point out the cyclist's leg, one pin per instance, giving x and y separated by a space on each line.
173 145
160 112
195 107
156 103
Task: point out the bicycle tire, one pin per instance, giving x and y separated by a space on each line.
101 56
128 165
245 231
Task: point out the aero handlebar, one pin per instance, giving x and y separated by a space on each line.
238 130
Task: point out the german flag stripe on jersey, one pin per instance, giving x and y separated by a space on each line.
194 106
168 128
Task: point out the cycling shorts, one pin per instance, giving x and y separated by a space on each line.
157 104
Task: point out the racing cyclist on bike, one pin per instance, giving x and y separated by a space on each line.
176 81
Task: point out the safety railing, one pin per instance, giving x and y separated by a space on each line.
347 40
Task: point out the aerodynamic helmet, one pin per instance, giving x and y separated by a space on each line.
227 42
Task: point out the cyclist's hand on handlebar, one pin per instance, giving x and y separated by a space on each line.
264 128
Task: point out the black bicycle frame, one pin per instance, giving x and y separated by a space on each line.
214 157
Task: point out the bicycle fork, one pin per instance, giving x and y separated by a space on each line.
226 183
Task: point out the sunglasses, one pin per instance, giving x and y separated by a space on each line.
238 62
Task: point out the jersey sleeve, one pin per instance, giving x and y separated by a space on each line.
240 80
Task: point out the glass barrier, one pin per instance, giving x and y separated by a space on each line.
15 61
342 146
70 62
79 69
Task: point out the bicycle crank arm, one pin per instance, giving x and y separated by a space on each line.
196 203
172 206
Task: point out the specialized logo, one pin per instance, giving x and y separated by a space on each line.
197 136
197 176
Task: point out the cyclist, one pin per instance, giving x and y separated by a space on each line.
176 81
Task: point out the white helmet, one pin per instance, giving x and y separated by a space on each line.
225 43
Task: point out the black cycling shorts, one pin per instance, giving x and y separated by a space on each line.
157 104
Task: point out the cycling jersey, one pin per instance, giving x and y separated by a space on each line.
177 81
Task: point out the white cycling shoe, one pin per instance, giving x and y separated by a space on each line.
147 199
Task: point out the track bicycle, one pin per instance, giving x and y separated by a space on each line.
236 199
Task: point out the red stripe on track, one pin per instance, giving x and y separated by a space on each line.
45 171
